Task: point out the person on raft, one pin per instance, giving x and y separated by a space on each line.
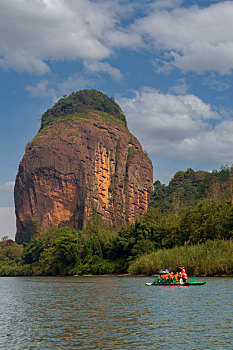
184 275
179 277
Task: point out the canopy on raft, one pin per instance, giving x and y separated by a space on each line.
164 271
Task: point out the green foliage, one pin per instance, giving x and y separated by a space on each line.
82 101
10 259
188 187
55 252
208 220
223 174
212 258
10 254
29 230
32 251
15 270
190 222
228 225
97 243
144 237
65 251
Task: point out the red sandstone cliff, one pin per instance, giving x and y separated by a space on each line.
79 163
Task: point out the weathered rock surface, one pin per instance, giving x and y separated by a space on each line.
78 164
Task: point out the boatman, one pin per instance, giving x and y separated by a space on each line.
184 274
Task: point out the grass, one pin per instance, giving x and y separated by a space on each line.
82 117
214 258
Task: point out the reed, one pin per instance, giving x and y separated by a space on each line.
213 258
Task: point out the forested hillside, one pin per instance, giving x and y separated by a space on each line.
188 187
189 222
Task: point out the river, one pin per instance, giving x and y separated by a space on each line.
114 313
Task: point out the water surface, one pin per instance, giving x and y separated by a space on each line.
114 313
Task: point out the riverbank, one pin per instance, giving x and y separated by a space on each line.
145 275
213 258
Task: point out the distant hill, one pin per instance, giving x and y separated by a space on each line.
188 187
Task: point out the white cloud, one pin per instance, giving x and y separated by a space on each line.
61 87
166 4
7 222
7 186
216 84
32 33
210 145
180 88
180 126
73 83
196 39
23 61
124 39
35 33
104 67
41 89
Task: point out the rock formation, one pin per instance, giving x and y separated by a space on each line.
83 160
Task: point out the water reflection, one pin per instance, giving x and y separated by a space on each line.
113 313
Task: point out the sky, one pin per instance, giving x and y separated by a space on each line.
167 63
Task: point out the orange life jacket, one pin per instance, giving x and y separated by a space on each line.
184 274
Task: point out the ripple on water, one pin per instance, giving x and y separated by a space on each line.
114 313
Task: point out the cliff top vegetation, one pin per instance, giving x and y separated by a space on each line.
81 102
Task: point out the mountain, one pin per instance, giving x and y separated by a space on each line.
83 162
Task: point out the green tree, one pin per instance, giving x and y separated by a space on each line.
55 252
205 221
228 226
29 231
10 257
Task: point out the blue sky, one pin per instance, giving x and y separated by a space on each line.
168 63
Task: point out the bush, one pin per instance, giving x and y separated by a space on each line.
212 258
80 102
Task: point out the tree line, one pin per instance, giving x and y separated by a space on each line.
98 250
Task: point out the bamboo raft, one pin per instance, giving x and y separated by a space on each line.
168 282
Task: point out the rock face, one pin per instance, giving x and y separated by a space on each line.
82 161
